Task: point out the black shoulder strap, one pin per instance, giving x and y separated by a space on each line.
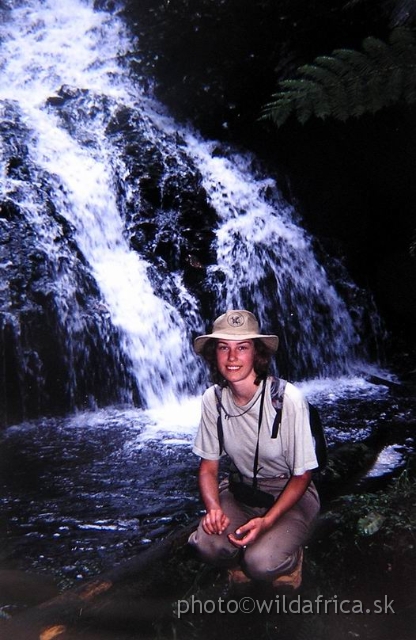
256 455
318 435
277 392
218 394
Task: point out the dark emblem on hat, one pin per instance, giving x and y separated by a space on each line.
235 320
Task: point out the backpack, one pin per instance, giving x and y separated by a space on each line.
277 392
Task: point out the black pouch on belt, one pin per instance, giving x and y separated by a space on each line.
251 496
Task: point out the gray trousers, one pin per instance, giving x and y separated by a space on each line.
277 551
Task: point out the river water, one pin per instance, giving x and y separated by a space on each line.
83 493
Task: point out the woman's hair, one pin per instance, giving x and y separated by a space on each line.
262 359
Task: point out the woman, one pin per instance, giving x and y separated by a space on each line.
259 524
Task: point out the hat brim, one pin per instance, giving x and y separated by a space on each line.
271 342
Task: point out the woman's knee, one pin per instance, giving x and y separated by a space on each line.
215 549
260 564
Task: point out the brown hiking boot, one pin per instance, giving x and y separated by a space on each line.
292 580
237 576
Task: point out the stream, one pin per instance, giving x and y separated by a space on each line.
82 493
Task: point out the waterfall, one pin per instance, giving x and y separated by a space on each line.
46 46
63 77
266 262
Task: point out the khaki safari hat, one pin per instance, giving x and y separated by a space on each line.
238 325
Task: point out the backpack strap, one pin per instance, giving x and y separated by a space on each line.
256 455
318 434
220 431
317 430
277 392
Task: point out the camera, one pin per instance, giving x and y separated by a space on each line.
251 496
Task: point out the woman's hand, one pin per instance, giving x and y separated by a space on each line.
248 532
254 528
215 521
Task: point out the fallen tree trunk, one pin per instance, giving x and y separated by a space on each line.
58 617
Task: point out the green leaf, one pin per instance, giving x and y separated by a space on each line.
350 83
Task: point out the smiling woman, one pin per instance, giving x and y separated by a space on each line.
256 523
236 364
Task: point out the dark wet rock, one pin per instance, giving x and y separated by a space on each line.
55 364
167 212
160 192
46 369
168 221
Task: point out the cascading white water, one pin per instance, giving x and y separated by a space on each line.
265 260
46 45
269 264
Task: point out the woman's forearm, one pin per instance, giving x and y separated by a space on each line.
291 494
208 484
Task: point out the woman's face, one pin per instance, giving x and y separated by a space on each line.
235 360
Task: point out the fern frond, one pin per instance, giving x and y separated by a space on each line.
350 83
325 74
402 40
355 59
332 64
280 109
313 72
377 49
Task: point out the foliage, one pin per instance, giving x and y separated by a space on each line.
394 509
387 516
373 534
349 83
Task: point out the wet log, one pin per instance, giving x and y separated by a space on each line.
60 616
